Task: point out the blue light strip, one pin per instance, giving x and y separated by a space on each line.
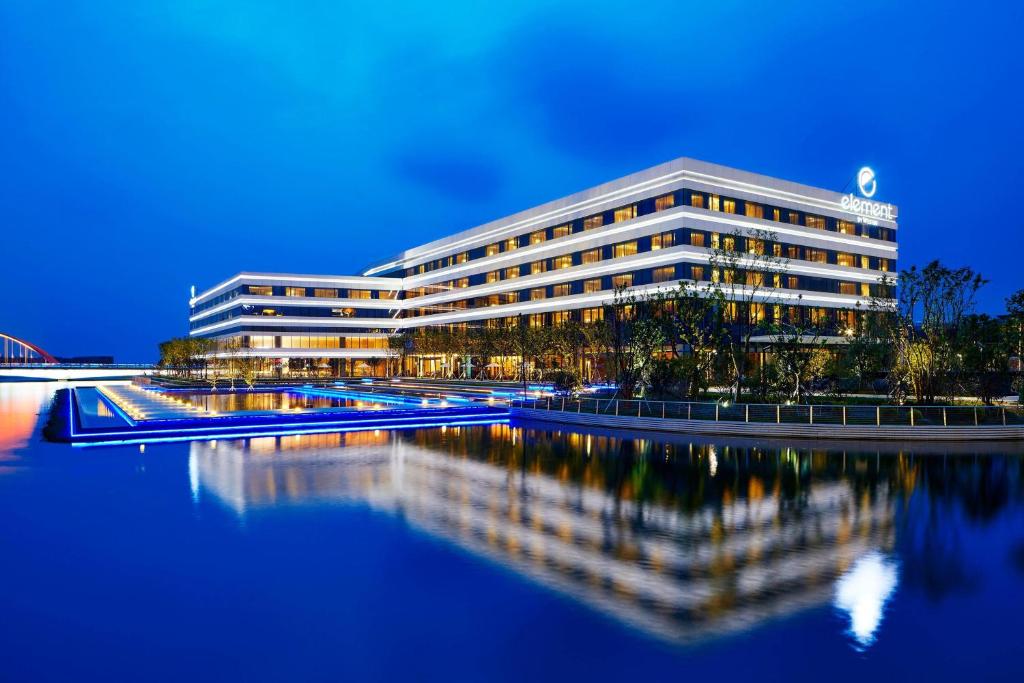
212 437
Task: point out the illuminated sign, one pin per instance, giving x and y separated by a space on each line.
866 182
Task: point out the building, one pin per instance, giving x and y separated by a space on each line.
564 260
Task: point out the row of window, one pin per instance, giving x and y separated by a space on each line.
295 291
699 238
701 200
303 341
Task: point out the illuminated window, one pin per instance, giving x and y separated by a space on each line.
844 259
664 202
756 313
559 317
697 200
865 262
792 282
664 274
593 222
538 236
818 316
538 267
511 272
593 315
564 261
847 288
792 251
865 289
624 249
846 227
755 246
536 320
728 243
262 342
816 222
343 312
561 290
776 215
358 294
622 280
492 249
754 279
883 264
511 243
816 255
696 273
715 240
715 202
728 276
729 205
260 290
325 293
753 210
663 241
697 239
592 256
592 285
625 213
462 258
295 291
492 276
561 231
269 311
777 249
538 293
794 217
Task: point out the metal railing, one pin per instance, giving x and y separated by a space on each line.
780 413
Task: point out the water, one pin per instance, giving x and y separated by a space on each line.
505 553
242 401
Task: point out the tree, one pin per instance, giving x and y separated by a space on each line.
746 268
800 356
692 326
635 337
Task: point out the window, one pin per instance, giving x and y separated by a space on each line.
564 261
625 213
816 222
728 276
754 279
536 320
511 272
664 202
755 246
794 217
697 239
883 264
559 317
664 274
818 316
538 293
624 249
793 251
295 291
816 255
728 243
792 282
358 294
622 280
846 227
325 293
844 259
729 205
753 210
537 237
561 290
538 267
462 258
343 312
663 241
492 249
511 243
847 288
260 290
492 276
592 256
262 342
714 202
865 289
756 313
593 315
697 200
776 215
561 231
696 273
593 222
592 285
865 262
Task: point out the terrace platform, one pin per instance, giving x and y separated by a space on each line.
131 414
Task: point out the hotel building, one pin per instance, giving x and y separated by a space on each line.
564 260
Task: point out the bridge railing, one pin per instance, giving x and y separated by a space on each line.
781 413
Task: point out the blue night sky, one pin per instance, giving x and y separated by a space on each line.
145 148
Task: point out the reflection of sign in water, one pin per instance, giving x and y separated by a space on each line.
679 573
862 593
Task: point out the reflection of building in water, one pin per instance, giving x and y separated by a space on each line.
658 561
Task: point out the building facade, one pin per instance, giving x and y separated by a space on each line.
566 259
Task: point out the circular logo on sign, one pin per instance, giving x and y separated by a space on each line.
866 182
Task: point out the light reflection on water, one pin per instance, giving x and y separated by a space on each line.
683 541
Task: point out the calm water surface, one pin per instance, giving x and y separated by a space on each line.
240 401
505 553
